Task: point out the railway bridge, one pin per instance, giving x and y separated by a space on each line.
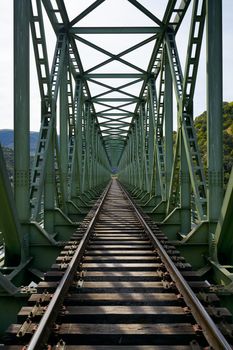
119 235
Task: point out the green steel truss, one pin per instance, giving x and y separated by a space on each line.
94 124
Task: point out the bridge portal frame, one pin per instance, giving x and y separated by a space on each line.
69 172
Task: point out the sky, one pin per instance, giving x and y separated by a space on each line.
110 13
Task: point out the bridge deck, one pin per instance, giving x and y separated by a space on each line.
121 295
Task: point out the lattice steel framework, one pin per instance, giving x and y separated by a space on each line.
114 130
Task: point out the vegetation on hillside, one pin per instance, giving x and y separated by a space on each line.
7 139
201 128
9 158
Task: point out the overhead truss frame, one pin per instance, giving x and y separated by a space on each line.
113 130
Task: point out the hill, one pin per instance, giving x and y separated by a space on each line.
9 158
201 128
7 139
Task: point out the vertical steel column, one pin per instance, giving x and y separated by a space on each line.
214 108
138 154
21 108
77 156
133 181
49 186
97 157
95 165
64 126
85 149
157 184
9 223
92 155
184 190
88 147
143 147
185 186
168 123
91 152
151 144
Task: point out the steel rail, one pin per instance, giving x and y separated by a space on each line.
46 323
210 331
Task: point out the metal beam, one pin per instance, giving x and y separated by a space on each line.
114 75
86 12
132 100
103 114
21 108
168 121
114 30
214 108
9 222
64 115
146 12
118 56
115 89
113 57
224 229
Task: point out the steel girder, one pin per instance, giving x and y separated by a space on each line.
179 196
100 134
69 169
187 158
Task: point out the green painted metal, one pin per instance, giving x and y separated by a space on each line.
168 125
159 130
214 108
106 127
146 12
186 128
223 233
185 191
86 12
9 221
75 141
65 122
114 30
21 109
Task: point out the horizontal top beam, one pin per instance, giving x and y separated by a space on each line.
127 114
114 30
114 75
133 100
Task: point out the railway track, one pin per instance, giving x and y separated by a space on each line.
119 284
